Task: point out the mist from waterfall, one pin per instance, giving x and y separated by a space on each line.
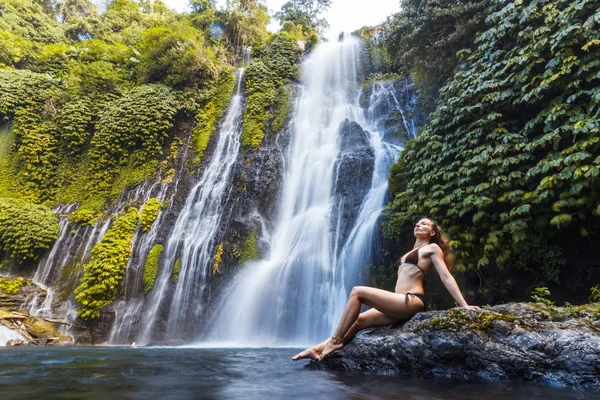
297 294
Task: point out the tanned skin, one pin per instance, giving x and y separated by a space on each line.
391 307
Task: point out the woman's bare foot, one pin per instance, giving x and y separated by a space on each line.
308 353
314 352
332 345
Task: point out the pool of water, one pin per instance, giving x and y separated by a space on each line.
195 373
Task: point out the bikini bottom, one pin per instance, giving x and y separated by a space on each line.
418 296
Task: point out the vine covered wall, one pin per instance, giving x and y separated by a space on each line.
509 162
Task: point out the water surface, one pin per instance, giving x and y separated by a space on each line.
192 373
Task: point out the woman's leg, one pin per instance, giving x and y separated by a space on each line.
393 305
368 319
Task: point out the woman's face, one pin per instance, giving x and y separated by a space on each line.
424 228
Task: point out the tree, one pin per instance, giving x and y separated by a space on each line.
425 36
305 13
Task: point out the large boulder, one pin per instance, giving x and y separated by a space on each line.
353 177
517 342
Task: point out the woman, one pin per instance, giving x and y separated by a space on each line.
430 251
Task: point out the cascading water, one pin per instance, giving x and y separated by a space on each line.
127 310
296 294
192 239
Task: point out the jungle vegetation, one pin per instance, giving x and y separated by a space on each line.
509 160
94 102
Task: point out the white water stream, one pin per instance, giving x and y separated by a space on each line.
298 292
192 238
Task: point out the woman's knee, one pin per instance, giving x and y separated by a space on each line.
357 291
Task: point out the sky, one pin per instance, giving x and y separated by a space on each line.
343 16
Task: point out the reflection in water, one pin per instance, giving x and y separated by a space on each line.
192 373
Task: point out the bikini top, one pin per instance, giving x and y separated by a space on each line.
412 258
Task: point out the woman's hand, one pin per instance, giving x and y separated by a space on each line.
468 307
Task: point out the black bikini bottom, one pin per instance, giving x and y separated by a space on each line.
418 296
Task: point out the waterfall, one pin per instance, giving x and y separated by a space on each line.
297 293
192 240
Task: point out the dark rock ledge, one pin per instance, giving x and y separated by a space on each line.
517 342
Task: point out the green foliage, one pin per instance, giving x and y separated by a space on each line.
283 107
8 169
595 294
174 55
176 270
245 23
106 268
149 212
141 120
305 13
151 267
250 251
26 229
89 211
509 159
27 19
12 286
541 295
209 116
263 77
424 38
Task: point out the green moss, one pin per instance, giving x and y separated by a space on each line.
250 251
282 108
106 268
208 118
457 319
12 286
263 78
89 211
149 212
137 170
176 270
26 229
68 279
151 267
39 328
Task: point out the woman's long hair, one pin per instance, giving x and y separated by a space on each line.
442 240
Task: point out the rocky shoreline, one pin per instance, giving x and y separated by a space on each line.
524 342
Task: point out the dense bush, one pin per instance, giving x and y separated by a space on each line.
102 275
509 163
141 120
263 78
423 39
26 229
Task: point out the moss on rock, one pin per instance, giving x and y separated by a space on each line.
40 328
250 251
151 267
106 268
149 212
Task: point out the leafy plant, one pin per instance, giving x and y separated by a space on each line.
541 295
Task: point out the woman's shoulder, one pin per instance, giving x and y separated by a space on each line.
432 248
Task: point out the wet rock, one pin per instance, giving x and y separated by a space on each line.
353 177
516 342
40 329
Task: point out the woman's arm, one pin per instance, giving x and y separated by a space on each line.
437 258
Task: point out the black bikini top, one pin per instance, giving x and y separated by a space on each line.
413 258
